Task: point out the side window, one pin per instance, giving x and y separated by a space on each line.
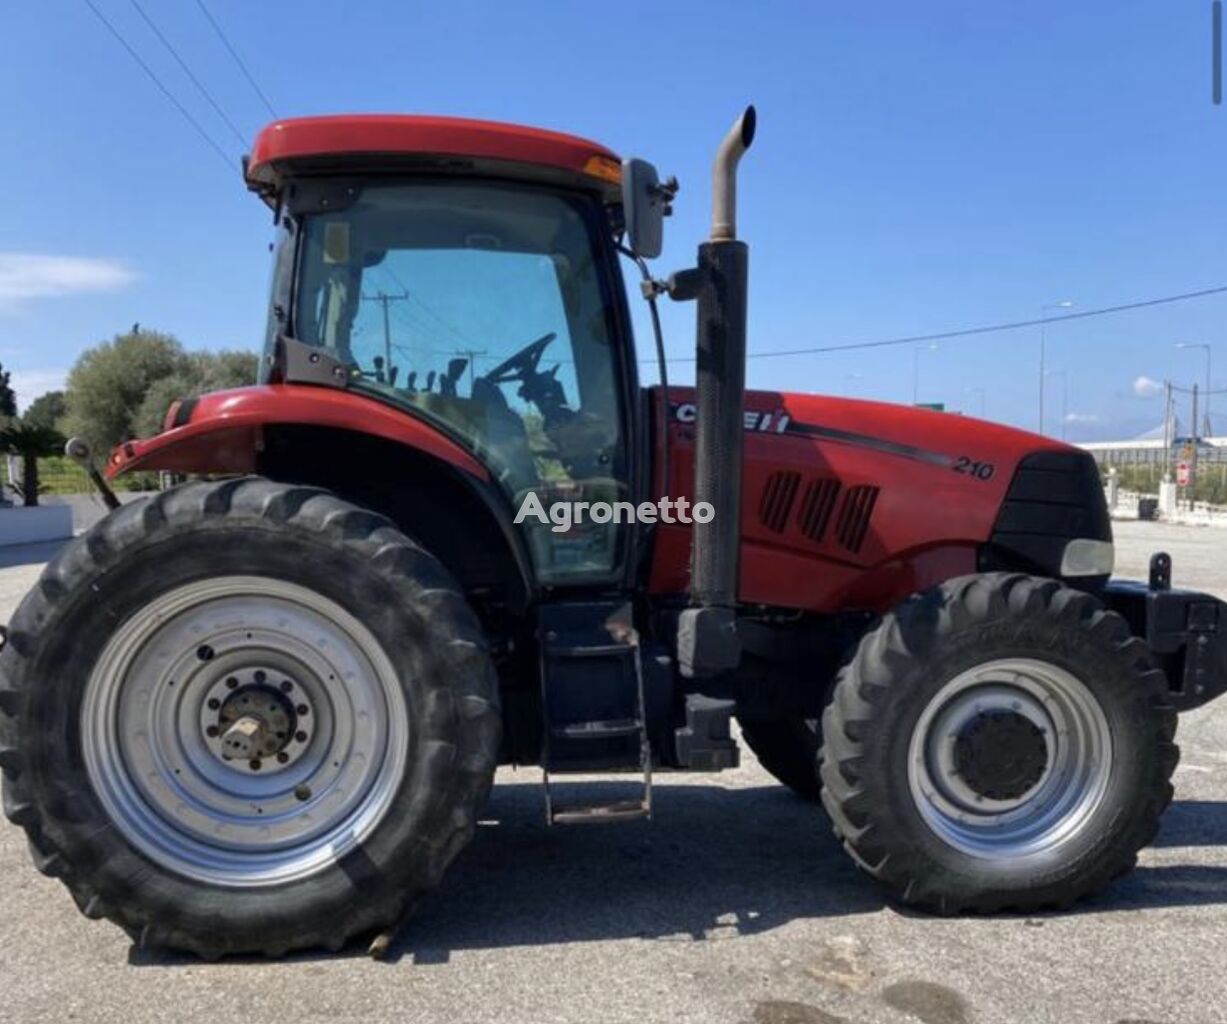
482 307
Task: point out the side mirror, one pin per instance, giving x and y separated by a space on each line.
643 208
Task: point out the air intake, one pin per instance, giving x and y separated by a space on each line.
814 515
854 514
777 498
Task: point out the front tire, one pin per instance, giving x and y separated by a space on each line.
999 742
246 717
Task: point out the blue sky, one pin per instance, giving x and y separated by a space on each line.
919 167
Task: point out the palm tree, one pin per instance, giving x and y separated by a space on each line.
31 442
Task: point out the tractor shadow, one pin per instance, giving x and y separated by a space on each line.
714 863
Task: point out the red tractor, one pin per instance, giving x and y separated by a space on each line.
262 710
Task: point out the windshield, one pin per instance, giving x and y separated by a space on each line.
481 306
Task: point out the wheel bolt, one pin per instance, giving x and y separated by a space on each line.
254 765
231 683
303 710
300 736
204 652
211 731
214 703
282 756
287 686
260 676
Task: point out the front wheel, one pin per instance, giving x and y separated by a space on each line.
999 742
246 717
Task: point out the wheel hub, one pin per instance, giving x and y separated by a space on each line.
1001 755
256 720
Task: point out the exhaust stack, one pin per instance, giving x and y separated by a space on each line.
707 630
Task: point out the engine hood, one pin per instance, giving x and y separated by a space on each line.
850 503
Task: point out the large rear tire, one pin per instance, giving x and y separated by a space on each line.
788 749
336 657
999 742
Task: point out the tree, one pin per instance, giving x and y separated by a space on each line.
122 388
202 372
8 400
108 383
31 442
46 410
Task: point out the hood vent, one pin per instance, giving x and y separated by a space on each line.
814 515
854 514
776 501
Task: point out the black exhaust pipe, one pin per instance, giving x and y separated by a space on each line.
707 630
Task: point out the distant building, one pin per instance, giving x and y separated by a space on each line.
1152 451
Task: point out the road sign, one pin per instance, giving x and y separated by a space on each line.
1184 473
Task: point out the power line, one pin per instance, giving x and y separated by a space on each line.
237 59
161 88
966 332
188 71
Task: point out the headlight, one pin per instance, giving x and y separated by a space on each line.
1084 557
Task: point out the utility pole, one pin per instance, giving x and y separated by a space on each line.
471 354
1193 462
1168 433
386 300
1209 429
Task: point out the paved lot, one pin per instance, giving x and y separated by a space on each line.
734 905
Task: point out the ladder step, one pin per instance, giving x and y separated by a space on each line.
595 814
597 651
598 730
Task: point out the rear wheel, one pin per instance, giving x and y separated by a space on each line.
998 742
246 717
788 749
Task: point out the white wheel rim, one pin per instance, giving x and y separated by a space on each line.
1057 805
163 779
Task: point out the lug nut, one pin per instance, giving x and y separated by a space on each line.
211 731
287 686
214 703
282 756
303 710
260 676
204 652
300 736
231 683
254 764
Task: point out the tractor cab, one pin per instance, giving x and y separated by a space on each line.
467 274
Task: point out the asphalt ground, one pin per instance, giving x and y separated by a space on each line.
734 904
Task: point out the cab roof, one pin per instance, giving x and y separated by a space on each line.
358 142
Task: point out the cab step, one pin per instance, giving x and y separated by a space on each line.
597 814
593 703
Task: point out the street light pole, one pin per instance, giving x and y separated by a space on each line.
916 350
1208 351
1063 304
1064 375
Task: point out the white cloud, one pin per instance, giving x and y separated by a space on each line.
25 276
27 385
1081 417
1147 387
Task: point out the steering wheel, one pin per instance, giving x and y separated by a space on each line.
522 365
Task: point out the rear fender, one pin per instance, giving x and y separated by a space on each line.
223 432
